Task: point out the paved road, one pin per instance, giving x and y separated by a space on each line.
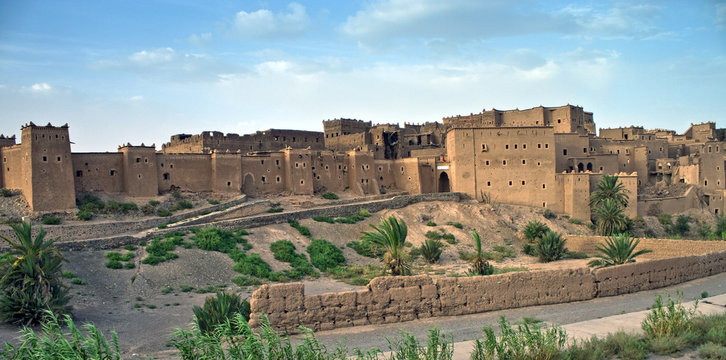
469 327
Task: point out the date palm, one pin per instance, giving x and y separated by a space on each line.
609 217
618 249
610 188
31 278
391 236
479 263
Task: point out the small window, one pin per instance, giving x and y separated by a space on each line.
524 146
277 179
544 186
297 165
539 146
564 151
584 150
547 146
523 182
112 173
79 173
483 147
510 182
544 204
262 162
489 183
277 162
559 121
504 162
45 158
138 159
229 183
539 163
487 162
524 162
506 146
515 146
264 179
166 176
302 182
58 159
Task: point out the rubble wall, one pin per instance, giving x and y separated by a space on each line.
406 298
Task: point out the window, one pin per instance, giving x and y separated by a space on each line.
524 162
524 146
559 121
489 183
506 146
483 147
112 173
544 186
229 183
504 162
487 162
79 173
547 146
297 165
302 182
544 204
166 176
515 146
45 158
277 179
523 182
264 179
510 182
58 159
262 162
584 150
539 146
564 151
277 162
138 159
539 163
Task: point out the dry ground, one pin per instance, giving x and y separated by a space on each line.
131 302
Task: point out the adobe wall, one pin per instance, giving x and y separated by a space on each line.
51 176
400 298
140 176
298 175
264 173
328 173
662 248
98 172
673 204
192 172
15 168
226 173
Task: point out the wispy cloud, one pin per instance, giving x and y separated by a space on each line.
720 19
41 87
153 57
200 40
264 23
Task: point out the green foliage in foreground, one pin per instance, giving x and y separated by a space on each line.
618 249
324 255
218 310
551 247
234 339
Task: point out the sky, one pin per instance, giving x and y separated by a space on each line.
140 71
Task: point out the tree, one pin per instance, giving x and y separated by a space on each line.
534 230
479 263
610 188
391 236
31 278
609 218
618 249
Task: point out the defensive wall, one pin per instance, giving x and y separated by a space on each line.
397 299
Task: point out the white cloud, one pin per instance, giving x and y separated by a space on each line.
41 87
153 57
264 23
136 98
623 20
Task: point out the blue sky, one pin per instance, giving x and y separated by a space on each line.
140 71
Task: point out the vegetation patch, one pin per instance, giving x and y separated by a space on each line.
326 219
330 196
216 239
455 224
159 250
356 274
304 231
324 255
284 251
218 310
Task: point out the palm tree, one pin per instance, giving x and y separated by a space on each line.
551 246
534 230
609 217
31 278
479 263
618 249
610 188
391 236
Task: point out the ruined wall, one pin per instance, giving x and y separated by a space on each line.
328 173
98 172
398 299
298 172
268 140
671 205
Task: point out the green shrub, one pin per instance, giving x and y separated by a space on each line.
68 274
51 220
365 248
90 203
529 249
78 281
253 265
550 247
527 341
215 239
349 219
326 219
430 223
163 212
534 230
575 221
275 210
84 215
618 249
364 213
711 351
324 255
219 309
304 231
450 238
245 280
431 250
669 320
455 224
114 264
129 265
576 255
130 247
682 226
158 250
6 192
330 196
56 340
284 251
433 235
31 278
213 202
182 205
665 219
549 214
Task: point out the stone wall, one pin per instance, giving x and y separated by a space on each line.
397 299
662 248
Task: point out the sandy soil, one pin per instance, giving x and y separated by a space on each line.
131 302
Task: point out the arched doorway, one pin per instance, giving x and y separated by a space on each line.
580 167
589 166
248 185
444 185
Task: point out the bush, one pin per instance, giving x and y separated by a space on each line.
182 205
114 264
51 342
159 250
529 249
365 248
31 278
450 238
433 235
575 221
51 220
326 219
618 249
252 265
455 224
245 280
304 231
68 274
364 213
219 310
324 255
213 202
430 223
84 215
330 196
550 247
163 212
77 281
527 341
431 250
671 320
90 203
215 239
284 251
712 351
6 192
352 219
682 226
549 214
275 210
534 230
